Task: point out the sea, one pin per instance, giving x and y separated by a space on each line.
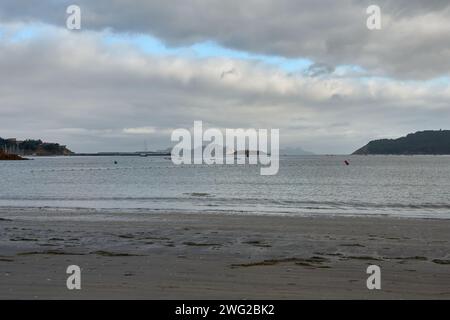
400 186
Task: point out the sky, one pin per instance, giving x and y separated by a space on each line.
137 70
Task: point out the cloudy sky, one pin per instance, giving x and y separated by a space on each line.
138 69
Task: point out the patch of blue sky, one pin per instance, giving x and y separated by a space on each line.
207 49
211 49
24 33
18 34
440 81
144 43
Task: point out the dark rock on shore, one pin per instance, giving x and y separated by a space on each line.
7 156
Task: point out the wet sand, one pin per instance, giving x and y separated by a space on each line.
211 256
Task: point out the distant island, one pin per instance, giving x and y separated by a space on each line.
13 146
422 142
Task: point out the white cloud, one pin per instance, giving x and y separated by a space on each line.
140 130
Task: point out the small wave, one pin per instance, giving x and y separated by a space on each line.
207 199
198 194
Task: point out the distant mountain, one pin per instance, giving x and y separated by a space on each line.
295 152
422 142
33 147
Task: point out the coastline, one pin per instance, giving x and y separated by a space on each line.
213 256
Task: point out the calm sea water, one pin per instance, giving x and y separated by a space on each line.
393 185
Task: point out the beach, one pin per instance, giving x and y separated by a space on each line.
169 255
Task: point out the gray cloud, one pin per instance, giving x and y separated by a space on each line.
318 69
332 32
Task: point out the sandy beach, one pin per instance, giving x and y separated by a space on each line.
211 256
